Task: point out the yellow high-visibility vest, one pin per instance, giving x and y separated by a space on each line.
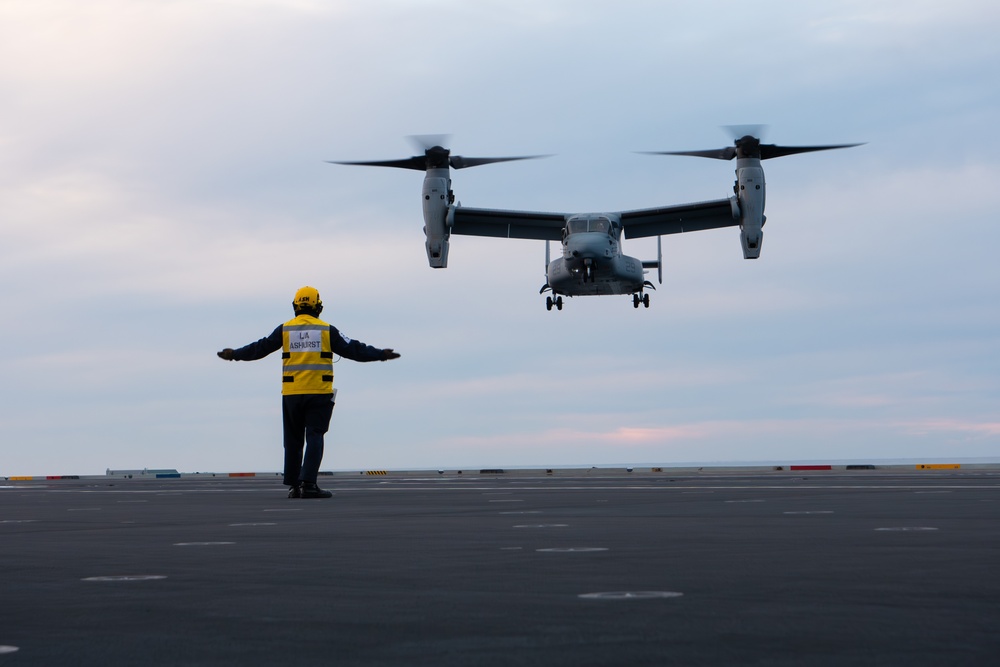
306 356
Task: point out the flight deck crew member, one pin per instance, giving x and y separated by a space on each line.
308 345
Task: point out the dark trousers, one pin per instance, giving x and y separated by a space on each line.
306 419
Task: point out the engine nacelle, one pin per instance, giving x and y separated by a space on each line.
750 192
435 205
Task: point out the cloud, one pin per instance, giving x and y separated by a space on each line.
953 428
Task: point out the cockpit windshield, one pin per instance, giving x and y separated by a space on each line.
599 224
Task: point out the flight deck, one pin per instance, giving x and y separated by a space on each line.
585 567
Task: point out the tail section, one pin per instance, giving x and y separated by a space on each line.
658 264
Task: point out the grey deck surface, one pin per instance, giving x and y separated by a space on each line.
865 568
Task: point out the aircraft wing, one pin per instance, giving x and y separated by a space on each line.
678 219
507 224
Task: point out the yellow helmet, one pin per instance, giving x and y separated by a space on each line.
307 297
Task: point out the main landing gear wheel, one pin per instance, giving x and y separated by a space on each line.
636 300
557 302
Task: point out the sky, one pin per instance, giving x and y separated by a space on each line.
164 191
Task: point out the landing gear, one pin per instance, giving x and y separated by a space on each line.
557 302
636 300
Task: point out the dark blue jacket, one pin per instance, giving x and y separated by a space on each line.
354 350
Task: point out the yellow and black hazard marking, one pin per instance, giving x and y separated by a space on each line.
376 472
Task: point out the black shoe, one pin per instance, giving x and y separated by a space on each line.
310 490
295 492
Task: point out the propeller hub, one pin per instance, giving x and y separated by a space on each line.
437 157
748 147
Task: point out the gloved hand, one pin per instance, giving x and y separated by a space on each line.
226 354
387 354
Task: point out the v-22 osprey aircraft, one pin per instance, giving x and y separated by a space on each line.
592 261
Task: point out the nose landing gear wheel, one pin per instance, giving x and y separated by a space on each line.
636 300
557 302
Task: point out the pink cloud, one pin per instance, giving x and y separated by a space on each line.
923 427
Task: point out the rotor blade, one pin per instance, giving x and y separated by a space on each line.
459 162
420 162
417 162
737 132
716 153
427 141
768 151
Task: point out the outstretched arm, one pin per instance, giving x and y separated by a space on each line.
355 350
254 351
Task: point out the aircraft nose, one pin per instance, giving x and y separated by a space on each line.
587 245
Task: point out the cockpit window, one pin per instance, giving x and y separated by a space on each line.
576 225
